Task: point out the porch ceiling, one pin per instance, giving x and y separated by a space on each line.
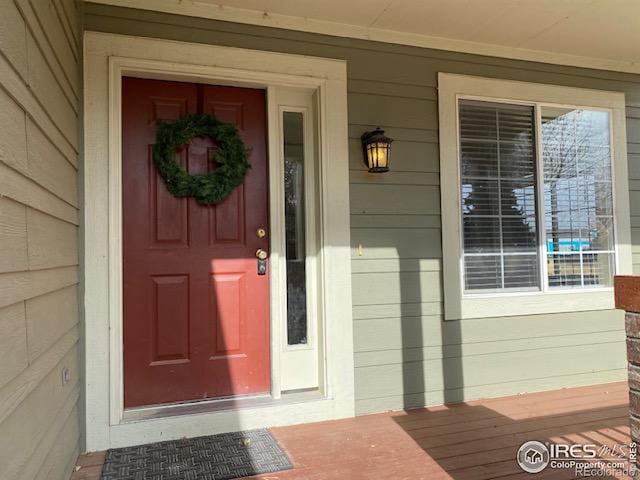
592 33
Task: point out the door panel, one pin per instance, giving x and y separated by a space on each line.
196 314
170 319
169 214
226 292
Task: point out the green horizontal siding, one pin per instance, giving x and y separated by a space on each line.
405 354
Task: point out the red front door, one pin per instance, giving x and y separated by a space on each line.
196 312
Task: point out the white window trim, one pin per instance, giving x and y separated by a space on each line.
299 363
108 57
459 305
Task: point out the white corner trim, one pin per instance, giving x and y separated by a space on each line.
460 306
195 8
107 58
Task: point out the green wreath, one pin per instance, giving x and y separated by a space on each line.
231 157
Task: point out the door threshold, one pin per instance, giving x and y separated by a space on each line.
137 414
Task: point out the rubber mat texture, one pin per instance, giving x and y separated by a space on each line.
215 457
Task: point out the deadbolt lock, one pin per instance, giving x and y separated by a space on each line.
261 233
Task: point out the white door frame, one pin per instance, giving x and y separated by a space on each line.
299 364
107 58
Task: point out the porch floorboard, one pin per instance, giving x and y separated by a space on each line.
476 440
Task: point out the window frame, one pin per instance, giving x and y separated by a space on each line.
460 304
300 364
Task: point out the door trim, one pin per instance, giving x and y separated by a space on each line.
108 57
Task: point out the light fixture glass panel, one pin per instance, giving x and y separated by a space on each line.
377 155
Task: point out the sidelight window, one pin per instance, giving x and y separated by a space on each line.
294 209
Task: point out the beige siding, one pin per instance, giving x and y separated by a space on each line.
406 355
39 333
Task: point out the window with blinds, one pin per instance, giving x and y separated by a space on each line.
519 235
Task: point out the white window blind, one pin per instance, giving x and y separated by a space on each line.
497 145
522 236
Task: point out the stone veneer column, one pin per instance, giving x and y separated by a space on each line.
627 295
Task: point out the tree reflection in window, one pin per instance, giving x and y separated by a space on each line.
578 197
498 170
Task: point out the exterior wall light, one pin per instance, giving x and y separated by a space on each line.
377 149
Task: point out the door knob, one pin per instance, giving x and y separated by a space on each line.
261 254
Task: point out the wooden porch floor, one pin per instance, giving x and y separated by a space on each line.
476 440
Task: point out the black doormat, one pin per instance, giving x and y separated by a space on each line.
216 457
